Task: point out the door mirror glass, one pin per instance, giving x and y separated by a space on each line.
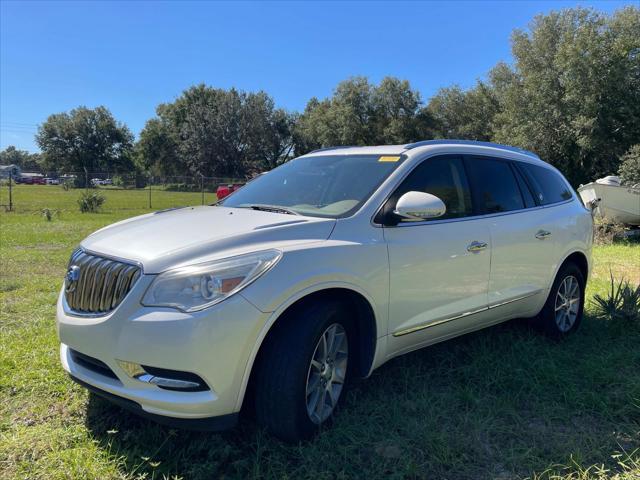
419 206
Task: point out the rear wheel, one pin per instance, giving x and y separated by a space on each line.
562 313
303 370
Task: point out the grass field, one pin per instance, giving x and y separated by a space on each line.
501 403
33 198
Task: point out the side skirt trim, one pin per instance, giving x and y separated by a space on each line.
417 328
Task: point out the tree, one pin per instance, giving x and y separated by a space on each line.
360 113
629 171
398 115
88 140
23 159
156 151
573 94
460 114
216 132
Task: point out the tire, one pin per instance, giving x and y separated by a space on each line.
287 382
562 313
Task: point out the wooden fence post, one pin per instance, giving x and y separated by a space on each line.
10 192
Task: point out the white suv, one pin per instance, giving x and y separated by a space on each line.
317 272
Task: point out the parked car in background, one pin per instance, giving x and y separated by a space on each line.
225 190
51 181
317 273
100 181
31 179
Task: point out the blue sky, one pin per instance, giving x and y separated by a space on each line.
132 56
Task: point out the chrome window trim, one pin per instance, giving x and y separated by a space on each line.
424 326
474 217
460 219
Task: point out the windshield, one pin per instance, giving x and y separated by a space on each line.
324 186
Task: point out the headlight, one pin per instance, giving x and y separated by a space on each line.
199 286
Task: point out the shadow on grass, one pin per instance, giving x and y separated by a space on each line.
504 402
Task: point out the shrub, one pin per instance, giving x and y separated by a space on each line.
629 170
622 303
606 232
91 202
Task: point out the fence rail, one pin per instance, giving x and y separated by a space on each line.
32 192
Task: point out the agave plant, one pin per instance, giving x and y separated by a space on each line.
48 214
622 303
91 202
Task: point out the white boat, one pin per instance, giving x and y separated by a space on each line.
615 202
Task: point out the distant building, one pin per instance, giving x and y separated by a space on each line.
13 170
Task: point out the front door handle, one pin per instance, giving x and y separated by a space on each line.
542 234
475 247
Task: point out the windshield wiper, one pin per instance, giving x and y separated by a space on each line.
272 208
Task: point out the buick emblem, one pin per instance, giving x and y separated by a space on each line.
71 278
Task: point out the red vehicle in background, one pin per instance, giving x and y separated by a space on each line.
31 179
225 190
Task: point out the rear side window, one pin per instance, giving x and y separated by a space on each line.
495 185
548 186
445 178
527 196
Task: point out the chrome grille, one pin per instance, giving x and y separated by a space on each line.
97 285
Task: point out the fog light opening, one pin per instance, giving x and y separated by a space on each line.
166 379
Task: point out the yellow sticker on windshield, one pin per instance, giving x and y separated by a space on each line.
389 159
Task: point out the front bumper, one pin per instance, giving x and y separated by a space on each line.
211 424
214 344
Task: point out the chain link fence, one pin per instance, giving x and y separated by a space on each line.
34 192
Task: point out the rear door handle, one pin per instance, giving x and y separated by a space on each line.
475 247
542 234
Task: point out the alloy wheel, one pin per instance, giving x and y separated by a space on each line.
567 303
327 373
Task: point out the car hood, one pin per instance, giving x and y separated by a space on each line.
174 238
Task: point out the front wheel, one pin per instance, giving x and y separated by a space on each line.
327 373
302 371
562 313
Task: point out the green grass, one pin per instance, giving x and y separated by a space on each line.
33 198
501 403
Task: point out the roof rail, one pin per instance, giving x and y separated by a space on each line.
425 143
331 148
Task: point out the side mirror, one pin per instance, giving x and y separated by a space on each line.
419 206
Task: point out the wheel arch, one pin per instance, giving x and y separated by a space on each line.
365 324
577 257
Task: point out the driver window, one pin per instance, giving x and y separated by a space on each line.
444 177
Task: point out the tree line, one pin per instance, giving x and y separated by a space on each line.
571 94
